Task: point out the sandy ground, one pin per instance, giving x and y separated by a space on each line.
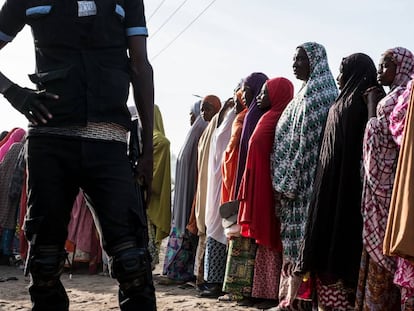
96 292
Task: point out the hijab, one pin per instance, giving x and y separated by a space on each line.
159 209
256 215
255 82
405 70
300 126
335 208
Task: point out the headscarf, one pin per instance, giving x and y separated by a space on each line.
231 155
186 175
159 209
202 165
404 60
335 208
380 156
296 148
3 135
299 129
11 172
14 136
214 101
195 108
255 82
405 71
219 141
256 215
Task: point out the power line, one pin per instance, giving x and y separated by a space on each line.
168 19
155 11
188 26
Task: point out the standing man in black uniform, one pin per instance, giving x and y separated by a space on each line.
87 54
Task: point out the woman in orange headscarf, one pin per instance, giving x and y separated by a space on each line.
257 216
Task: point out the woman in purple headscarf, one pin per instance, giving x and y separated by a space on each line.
251 88
242 251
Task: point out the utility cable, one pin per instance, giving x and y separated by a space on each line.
188 26
155 11
168 19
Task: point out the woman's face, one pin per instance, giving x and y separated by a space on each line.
340 78
262 99
387 69
238 103
193 117
247 95
207 111
301 66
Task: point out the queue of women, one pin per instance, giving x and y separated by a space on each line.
283 200
301 200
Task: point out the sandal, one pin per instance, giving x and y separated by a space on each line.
228 298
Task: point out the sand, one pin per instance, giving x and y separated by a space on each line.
96 292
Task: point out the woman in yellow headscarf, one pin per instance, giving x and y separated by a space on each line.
159 209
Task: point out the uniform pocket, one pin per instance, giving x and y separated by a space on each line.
63 83
41 78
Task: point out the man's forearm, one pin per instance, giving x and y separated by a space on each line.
143 88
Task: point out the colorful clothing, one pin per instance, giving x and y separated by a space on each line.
404 278
214 261
335 210
180 252
398 115
295 155
257 216
376 290
267 268
83 243
214 229
230 158
159 209
380 161
255 82
203 150
179 255
219 141
399 235
238 278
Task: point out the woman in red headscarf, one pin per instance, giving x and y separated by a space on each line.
257 216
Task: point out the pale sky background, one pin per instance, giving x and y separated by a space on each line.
232 39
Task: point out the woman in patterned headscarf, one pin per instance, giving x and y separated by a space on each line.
335 210
380 155
294 160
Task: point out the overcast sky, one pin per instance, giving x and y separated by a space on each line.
232 39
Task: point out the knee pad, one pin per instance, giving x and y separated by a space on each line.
46 265
130 268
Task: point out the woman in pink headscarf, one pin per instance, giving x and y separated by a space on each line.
11 184
14 136
380 155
